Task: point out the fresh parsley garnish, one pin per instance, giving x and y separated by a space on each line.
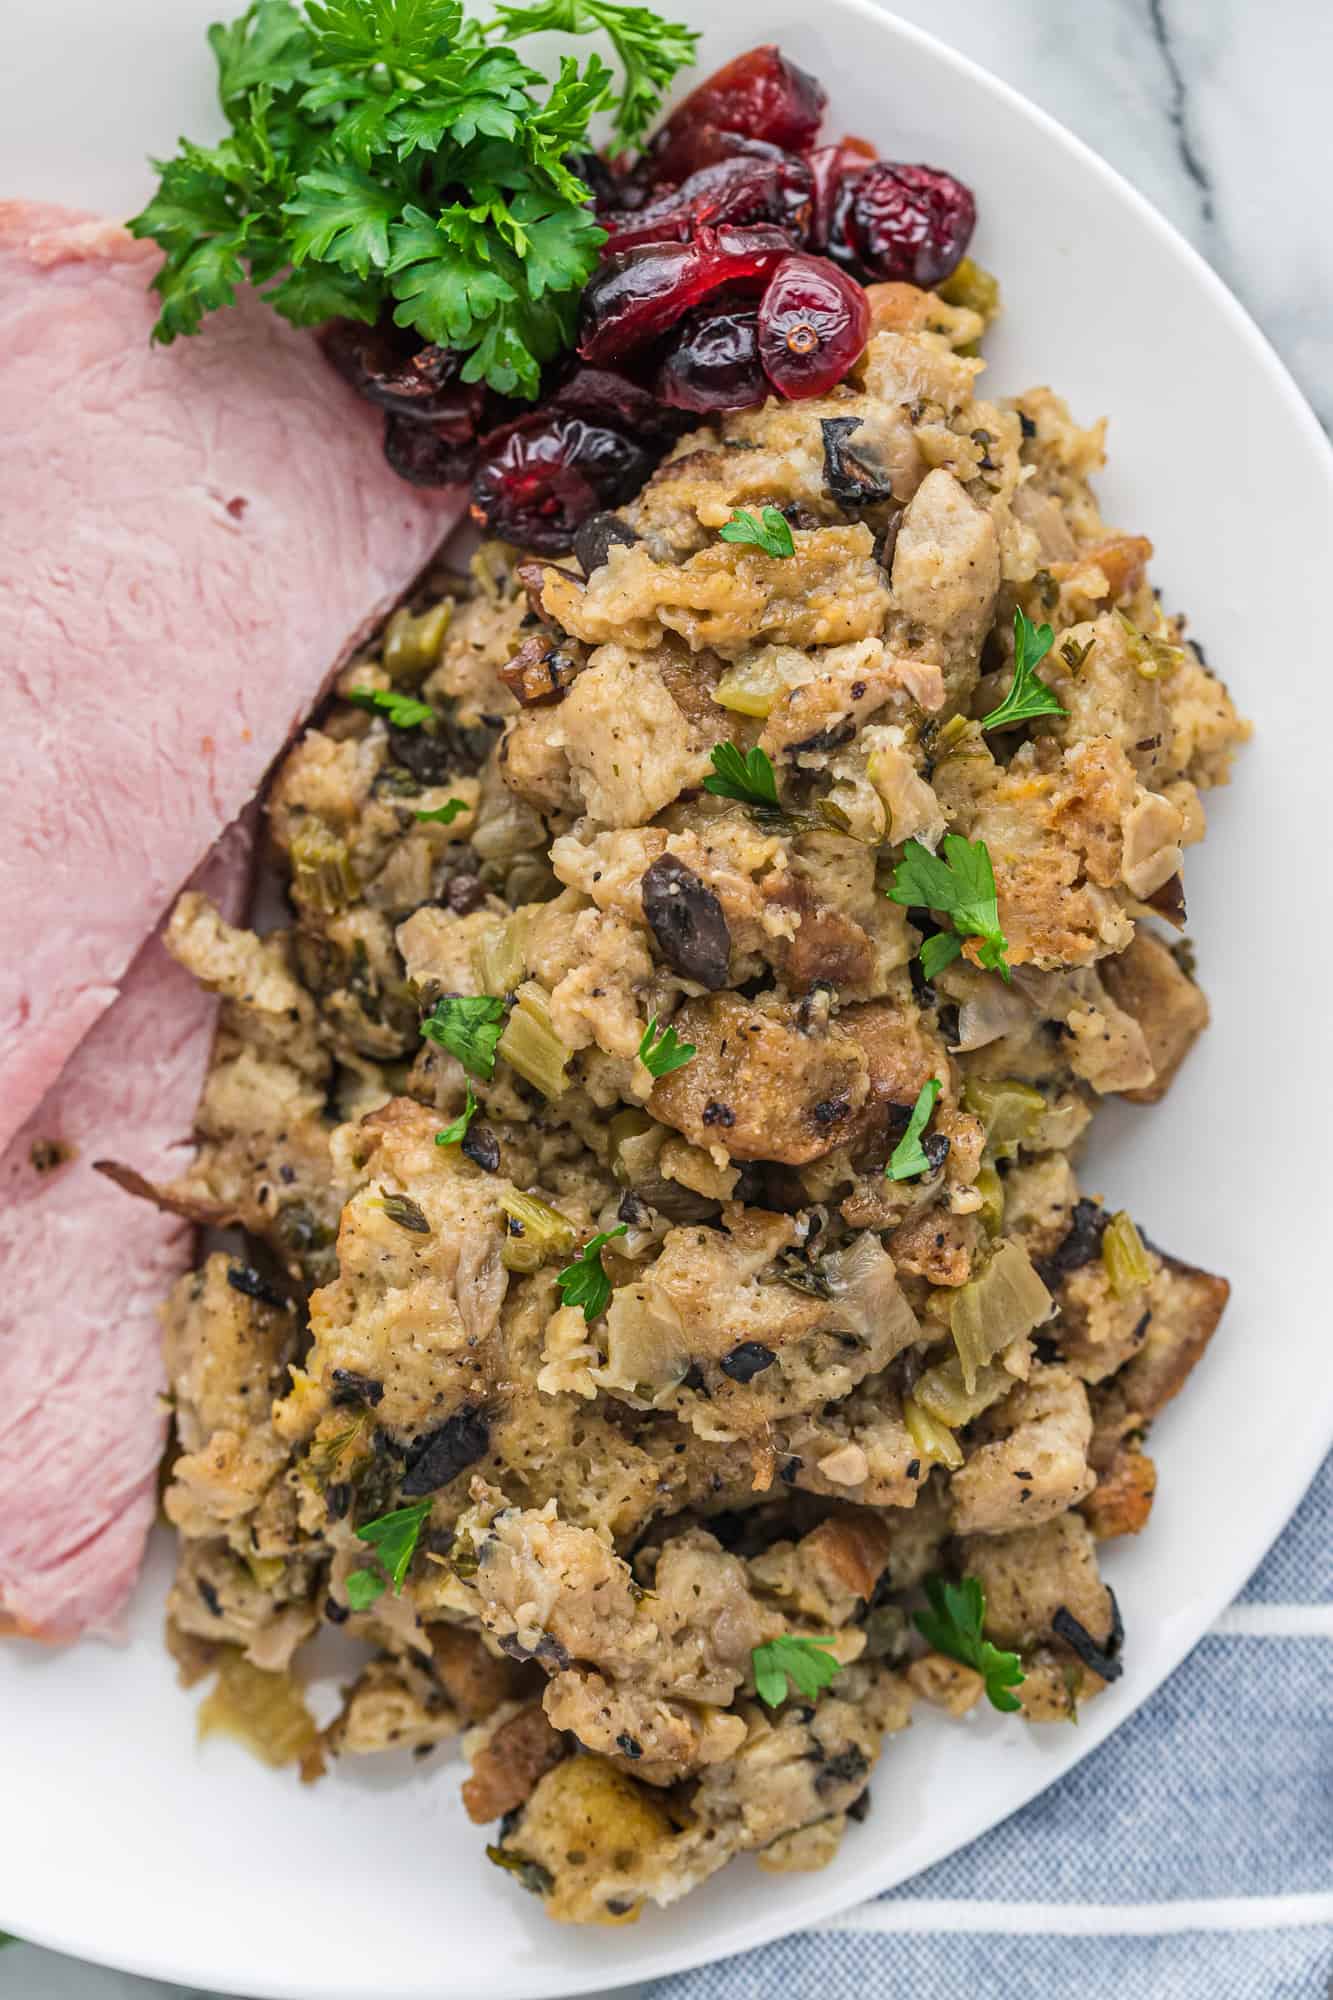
660 1054
584 1282
650 50
446 814
771 533
404 711
962 886
907 1157
802 1661
469 1027
1028 696
454 1135
398 156
953 1626
363 1587
394 1539
747 778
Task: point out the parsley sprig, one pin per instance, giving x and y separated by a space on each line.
404 711
907 1157
584 1282
771 533
962 887
803 1661
394 1538
662 1053
469 1027
749 778
395 155
1028 695
953 1625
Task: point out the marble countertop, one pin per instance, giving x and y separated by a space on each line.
1217 110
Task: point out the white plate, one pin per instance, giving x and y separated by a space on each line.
119 1840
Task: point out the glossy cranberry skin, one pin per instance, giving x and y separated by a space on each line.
391 368
713 364
908 223
603 397
638 295
743 189
831 169
429 454
539 480
759 95
813 323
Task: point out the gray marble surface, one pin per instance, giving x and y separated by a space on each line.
1219 112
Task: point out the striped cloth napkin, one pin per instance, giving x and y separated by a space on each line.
1189 1858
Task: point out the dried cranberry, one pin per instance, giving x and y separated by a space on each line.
908 223
831 168
639 294
391 368
537 482
604 397
429 454
713 364
813 323
740 190
760 95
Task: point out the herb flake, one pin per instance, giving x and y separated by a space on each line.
771 533
444 815
394 1539
804 1661
907 1157
961 884
662 1053
363 1586
402 711
584 1282
953 1625
1028 695
749 777
469 1026
454 1135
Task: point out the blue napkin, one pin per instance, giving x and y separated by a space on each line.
1189 1858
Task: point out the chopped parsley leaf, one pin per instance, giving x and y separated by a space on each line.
962 885
584 1282
953 1625
803 1661
1028 695
771 533
454 1135
446 814
403 711
394 1539
363 1587
469 1027
907 1157
661 1054
748 778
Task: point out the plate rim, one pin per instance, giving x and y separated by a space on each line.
677 1955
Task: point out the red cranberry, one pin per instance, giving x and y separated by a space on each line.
813 323
428 454
638 295
909 223
760 95
713 364
391 367
831 168
601 396
742 189
536 483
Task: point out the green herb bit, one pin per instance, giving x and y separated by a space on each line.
584 1282
908 1158
394 1538
771 533
408 1214
953 1625
650 50
403 711
749 778
962 886
444 815
662 1053
363 1587
803 1661
1074 655
454 1135
1028 695
469 1027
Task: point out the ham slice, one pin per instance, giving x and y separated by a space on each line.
193 537
85 1273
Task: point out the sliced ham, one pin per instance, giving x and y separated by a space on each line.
84 1275
193 537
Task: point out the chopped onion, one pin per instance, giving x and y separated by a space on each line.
1004 1303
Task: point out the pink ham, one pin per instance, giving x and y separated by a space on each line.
193 536
84 1274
